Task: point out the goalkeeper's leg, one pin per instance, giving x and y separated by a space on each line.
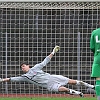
76 82
74 92
70 91
85 84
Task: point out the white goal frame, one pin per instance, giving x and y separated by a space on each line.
51 4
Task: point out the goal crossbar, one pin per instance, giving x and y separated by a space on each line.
48 1
51 5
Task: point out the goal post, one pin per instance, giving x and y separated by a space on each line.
29 31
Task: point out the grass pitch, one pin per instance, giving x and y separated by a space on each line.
46 98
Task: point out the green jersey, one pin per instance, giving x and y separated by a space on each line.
95 41
95 47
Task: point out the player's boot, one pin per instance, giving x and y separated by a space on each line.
81 95
86 84
55 49
73 92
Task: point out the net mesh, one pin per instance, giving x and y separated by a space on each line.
29 31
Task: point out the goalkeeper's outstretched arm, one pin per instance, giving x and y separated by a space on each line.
14 79
47 59
19 79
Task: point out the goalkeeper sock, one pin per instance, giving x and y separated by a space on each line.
73 92
85 84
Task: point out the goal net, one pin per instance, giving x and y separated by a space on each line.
29 32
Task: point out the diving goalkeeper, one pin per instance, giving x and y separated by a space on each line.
37 76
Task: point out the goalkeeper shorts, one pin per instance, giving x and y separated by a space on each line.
56 81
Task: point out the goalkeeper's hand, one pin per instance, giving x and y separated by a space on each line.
1 80
56 48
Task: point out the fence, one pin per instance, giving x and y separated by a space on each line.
30 30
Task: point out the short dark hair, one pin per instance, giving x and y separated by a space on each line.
26 63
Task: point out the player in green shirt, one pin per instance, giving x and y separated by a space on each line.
95 47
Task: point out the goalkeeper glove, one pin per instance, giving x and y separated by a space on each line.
55 49
1 80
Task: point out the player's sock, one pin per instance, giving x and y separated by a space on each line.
73 92
85 84
97 88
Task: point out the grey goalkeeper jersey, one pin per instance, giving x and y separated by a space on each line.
35 75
